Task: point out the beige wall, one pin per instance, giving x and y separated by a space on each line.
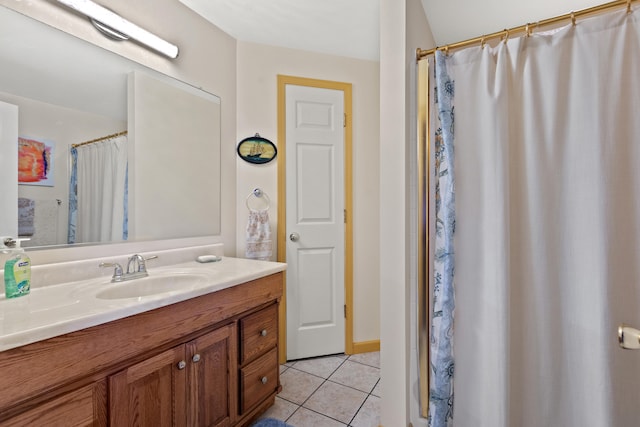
258 67
394 332
403 28
207 59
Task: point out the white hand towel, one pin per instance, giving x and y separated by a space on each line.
258 235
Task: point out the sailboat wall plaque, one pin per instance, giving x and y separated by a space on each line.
257 150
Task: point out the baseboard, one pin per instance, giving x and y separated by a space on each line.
366 346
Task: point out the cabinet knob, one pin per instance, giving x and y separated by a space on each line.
263 332
182 364
196 358
264 380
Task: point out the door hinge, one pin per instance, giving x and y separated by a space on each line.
345 311
345 216
344 122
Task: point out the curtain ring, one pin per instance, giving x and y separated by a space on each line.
506 36
482 42
529 29
628 6
446 50
573 18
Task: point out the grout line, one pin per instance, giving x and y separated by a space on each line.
353 388
324 380
374 387
363 364
319 413
318 376
358 411
365 401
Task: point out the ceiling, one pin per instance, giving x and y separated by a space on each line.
351 27
340 27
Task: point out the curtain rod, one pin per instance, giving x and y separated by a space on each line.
99 139
527 28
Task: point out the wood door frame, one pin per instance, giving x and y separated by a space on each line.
346 88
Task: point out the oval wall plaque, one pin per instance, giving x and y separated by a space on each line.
256 149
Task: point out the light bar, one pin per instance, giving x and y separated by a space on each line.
121 25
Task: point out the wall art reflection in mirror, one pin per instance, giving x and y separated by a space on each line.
35 162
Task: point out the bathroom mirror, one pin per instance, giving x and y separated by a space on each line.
69 91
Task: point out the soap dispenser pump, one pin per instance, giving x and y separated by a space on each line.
17 269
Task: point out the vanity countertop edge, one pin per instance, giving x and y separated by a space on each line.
59 309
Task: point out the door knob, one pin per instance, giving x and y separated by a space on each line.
294 237
628 337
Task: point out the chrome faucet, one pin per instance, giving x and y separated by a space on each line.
136 268
139 267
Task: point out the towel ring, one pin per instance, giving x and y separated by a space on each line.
258 194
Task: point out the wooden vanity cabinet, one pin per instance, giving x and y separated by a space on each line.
188 385
209 361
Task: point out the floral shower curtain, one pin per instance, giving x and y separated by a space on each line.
98 196
441 349
547 229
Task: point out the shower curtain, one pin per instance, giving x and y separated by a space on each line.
547 237
98 192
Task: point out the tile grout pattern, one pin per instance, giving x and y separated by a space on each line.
329 391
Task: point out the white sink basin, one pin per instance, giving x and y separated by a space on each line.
152 285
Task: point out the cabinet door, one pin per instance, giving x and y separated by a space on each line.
212 378
150 393
84 407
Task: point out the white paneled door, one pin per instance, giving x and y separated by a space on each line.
315 224
9 169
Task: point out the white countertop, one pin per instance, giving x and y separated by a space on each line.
54 310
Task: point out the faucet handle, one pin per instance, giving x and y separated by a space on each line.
117 271
142 266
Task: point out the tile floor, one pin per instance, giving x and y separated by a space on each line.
330 391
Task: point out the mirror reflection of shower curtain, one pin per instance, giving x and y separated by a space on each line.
98 192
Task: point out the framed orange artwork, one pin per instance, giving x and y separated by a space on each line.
35 162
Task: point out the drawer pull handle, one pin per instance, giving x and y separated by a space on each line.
263 333
182 364
264 380
196 358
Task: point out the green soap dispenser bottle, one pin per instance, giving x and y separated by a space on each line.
17 270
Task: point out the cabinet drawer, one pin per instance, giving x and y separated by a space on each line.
258 333
258 380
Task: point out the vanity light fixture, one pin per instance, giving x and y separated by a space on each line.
118 28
